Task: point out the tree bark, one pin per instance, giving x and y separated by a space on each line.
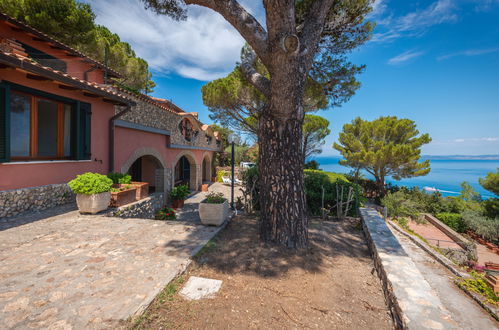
282 197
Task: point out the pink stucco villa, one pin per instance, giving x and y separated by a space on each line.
60 116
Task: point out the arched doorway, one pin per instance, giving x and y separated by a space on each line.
182 171
185 171
145 169
146 165
206 169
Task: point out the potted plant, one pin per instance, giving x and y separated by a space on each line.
178 195
120 179
92 192
166 213
214 210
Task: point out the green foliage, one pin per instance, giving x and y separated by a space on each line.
166 213
250 179
479 285
179 193
453 220
72 22
120 178
311 165
387 146
215 198
491 182
90 183
399 205
491 207
240 154
468 193
315 180
315 130
488 228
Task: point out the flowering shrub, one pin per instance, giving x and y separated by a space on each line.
166 213
120 178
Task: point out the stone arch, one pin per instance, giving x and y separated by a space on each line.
154 171
207 168
195 169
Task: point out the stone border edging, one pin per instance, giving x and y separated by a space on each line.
434 254
494 312
456 237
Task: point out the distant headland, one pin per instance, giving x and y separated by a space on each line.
462 157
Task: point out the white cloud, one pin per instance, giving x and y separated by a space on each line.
483 139
203 47
417 22
469 52
404 57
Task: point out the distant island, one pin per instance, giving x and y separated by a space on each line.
462 157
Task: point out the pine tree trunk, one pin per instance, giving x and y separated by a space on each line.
282 197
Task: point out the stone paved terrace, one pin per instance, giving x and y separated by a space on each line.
72 271
410 296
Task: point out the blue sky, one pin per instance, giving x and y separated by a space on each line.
433 61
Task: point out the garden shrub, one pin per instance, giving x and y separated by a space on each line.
315 180
180 192
488 228
453 220
399 204
251 188
120 178
479 285
90 183
491 207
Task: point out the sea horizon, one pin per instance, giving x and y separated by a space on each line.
446 175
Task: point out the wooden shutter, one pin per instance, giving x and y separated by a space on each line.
4 124
84 123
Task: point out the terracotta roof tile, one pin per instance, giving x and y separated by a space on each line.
57 43
27 64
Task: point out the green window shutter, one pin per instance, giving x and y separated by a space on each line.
4 123
83 131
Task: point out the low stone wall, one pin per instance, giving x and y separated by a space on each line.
456 237
410 298
17 201
145 208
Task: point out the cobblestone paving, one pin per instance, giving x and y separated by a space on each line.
69 271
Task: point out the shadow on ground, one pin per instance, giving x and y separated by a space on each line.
237 249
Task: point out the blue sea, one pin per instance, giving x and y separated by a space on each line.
445 175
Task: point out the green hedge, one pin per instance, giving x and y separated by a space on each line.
315 180
453 220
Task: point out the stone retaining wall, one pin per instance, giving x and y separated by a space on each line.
145 208
16 201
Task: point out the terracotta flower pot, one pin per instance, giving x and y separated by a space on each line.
142 189
178 203
204 187
127 196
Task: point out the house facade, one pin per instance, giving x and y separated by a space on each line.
60 117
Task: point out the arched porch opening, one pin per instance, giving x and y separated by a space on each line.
207 169
186 171
145 169
146 165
